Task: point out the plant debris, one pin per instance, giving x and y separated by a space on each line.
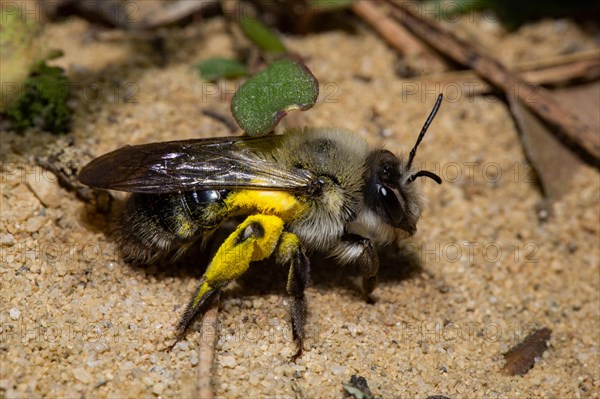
521 358
566 125
64 159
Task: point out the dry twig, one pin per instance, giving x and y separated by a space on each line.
225 120
206 353
536 98
397 35
584 67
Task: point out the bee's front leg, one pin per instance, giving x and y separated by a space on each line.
290 252
356 249
254 239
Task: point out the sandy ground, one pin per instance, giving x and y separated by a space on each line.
480 274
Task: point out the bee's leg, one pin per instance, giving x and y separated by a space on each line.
290 251
254 239
359 250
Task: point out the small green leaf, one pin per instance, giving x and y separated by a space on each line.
260 35
264 99
327 5
217 68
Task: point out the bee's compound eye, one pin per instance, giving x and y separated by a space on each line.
392 206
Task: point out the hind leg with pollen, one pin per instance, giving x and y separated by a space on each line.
254 239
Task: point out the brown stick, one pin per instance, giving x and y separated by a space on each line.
206 353
585 70
397 35
557 60
467 82
224 119
567 125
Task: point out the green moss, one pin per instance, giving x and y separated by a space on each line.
43 101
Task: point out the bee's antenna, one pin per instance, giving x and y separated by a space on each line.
434 111
425 173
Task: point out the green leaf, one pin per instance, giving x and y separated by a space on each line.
217 68
260 35
327 5
264 99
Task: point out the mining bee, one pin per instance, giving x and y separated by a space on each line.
314 190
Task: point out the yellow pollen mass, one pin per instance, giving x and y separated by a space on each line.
279 203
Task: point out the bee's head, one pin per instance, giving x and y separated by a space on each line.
389 189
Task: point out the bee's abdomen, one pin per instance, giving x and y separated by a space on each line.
155 225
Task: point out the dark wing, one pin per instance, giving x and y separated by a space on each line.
201 164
